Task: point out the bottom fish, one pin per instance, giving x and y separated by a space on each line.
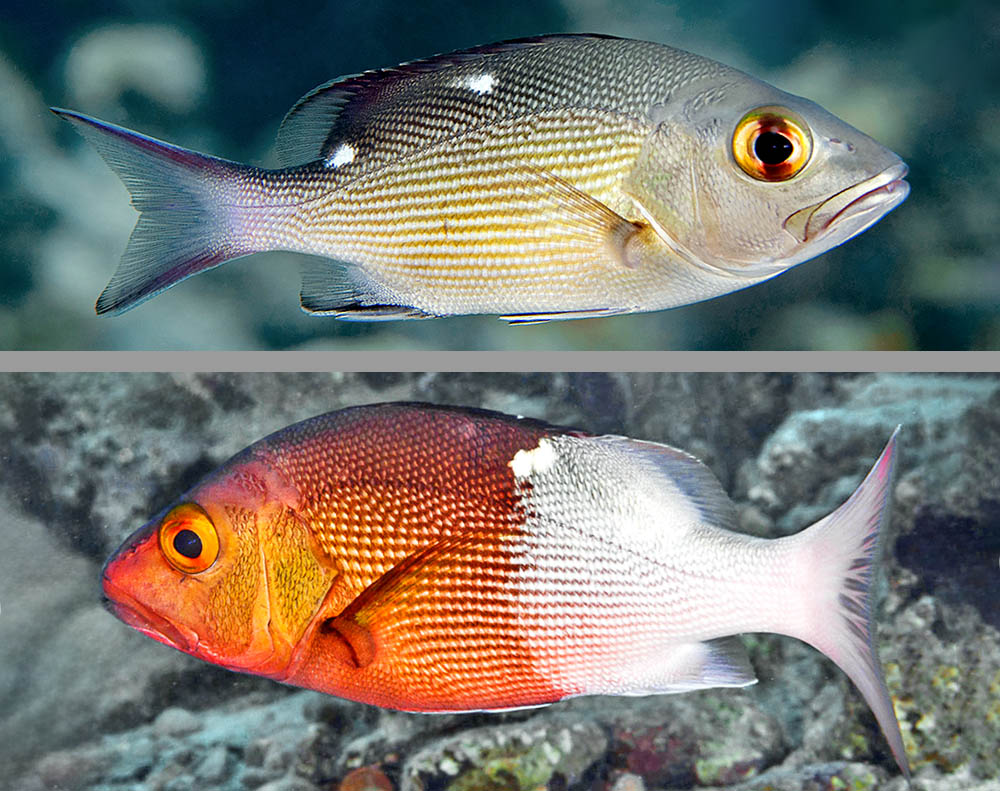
440 559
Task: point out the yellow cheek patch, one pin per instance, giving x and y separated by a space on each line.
297 580
188 539
236 611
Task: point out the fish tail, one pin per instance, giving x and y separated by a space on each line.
185 225
842 549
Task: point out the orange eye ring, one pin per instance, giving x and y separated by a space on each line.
188 539
771 144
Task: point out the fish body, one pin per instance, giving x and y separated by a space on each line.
554 177
442 559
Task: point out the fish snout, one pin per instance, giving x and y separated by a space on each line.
852 210
133 613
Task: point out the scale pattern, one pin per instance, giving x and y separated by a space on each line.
381 483
474 581
434 180
391 114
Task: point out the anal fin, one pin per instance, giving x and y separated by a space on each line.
342 290
725 664
357 312
689 666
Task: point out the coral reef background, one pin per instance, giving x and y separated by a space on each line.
218 76
88 704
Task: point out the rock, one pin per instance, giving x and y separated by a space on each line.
710 738
156 61
365 778
175 722
513 757
88 458
944 672
626 781
838 776
288 784
214 766
815 458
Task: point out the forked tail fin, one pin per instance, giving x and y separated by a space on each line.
185 225
843 548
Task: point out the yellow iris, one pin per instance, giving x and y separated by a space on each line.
771 144
188 539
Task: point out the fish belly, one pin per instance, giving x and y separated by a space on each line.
522 623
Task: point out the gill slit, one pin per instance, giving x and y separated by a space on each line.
267 595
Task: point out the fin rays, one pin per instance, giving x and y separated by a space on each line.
848 542
181 228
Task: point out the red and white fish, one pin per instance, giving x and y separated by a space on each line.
544 178
442 559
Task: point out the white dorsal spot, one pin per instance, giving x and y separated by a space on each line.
343 155
481 83
532 462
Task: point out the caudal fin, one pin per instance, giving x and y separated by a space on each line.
184 224
844 547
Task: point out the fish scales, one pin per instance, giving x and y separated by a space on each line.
556 177
417 107
442 559
336 467
491 204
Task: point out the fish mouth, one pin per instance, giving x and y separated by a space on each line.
852 210
139 617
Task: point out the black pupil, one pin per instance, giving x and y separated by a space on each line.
772 148
187 543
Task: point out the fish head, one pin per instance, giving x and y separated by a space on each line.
746 179
196 576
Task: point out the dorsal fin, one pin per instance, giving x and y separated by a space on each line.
374 112
687 475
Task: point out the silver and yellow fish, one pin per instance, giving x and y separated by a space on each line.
552 177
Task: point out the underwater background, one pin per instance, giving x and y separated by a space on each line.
87 703
218 76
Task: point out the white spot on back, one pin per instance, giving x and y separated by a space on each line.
344 154
481 83
531 462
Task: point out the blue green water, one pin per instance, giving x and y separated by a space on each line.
218 76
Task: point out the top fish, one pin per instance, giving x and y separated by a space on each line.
543 178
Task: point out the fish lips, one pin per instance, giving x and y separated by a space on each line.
132 612
850 211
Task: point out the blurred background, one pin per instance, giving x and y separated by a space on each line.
87 704
218 76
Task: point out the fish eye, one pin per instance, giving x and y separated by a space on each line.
187 543
771 144
188 539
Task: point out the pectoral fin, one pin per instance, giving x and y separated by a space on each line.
587 224
356 642
431 587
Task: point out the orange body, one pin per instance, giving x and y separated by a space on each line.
441 559
313 517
